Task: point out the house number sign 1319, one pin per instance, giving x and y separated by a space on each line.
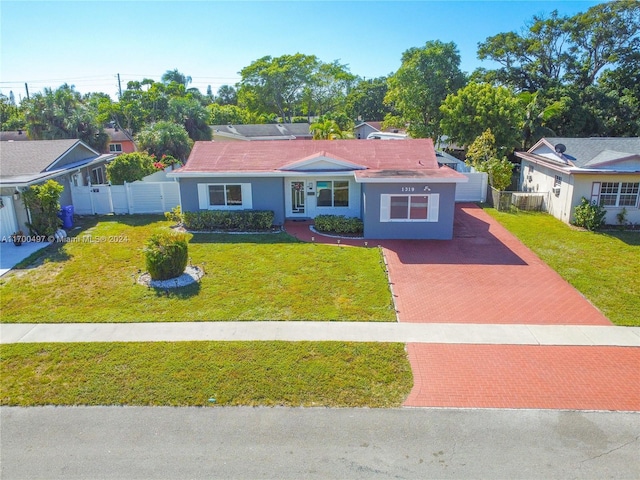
407 189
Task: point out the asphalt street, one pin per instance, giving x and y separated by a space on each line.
315 443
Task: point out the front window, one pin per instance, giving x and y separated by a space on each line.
97 176
115 147
333 193
629 194
409 208
225 195
619 194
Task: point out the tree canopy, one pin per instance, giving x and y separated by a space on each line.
425 78
165 138
130 167
479 106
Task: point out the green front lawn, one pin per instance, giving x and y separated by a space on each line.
249 277
331 374
603 266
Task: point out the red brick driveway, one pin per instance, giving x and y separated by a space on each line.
486 275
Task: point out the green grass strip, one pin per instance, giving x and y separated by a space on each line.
331 374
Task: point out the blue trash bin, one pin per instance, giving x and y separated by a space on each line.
66 215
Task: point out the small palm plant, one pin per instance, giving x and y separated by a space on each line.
326 130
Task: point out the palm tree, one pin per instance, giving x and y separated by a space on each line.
326 130
177 77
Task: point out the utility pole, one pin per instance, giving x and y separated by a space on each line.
26 87
119 88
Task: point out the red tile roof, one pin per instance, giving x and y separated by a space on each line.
269 156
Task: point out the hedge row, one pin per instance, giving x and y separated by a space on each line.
338 224
237 220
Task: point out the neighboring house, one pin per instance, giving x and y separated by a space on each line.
268 131
396 188
120 141
364 129
13 136
446 159
605 171
22 164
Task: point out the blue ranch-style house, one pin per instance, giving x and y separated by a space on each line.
396 188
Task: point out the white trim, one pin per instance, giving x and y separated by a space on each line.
618 193
321 158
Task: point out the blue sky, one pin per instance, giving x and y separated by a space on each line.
87 43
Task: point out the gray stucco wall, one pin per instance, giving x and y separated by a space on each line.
440 230
266 193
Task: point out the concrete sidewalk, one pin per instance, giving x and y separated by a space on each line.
575 335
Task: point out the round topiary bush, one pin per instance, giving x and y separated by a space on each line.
166 255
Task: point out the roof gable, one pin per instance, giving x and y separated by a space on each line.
619 160
322 161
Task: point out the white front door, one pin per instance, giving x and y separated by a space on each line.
8 223
296 199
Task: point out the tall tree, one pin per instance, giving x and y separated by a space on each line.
228 114
61 113
425 78
560 50
602 36
190 113
537 58
11 116
227 95
275 85
477 107
328 87
165 138
365 101
175 76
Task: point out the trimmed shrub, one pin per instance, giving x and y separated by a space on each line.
235 220
338 224
589 215
175 215
43 201
166 255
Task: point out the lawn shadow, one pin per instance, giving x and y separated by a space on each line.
630 237
180 293
136 220
472 244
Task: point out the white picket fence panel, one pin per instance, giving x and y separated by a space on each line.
136 197
475 190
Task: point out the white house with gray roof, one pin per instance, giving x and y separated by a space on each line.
22 164
603 170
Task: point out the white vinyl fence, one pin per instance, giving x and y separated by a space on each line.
136 197
475 190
